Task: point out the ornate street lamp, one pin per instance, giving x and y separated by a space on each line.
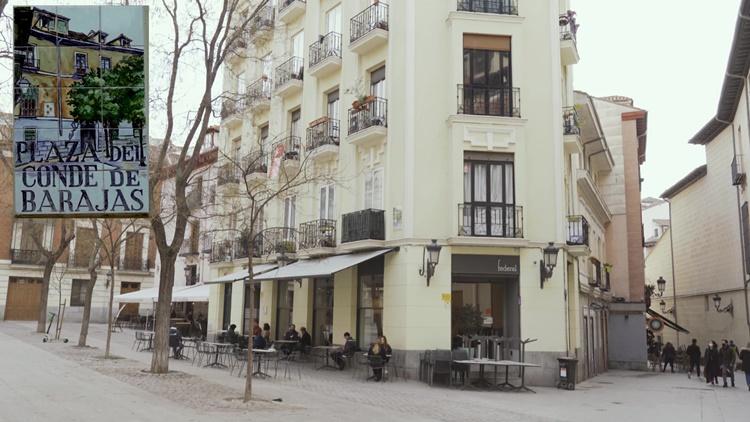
717 304
661 284
188 273
548 264
430 258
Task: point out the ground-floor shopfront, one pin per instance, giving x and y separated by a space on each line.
382 293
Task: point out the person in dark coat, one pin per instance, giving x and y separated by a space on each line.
694 353
305 340
711 363
347 351
259 342
175 342
668 355
376 356
728 360
745 358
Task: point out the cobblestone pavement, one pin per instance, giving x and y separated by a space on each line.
326 395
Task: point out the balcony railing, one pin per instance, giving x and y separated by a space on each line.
221 251
326 132
262 21
279 239
255 162
241 247
500 7
317 234
570 121
26 256
490 220
484 101
328 45
28 61
374 17
228 173
578 231
738 172
80 70
292 147
232 107
371 113
363 225
259 91
292 69
568 26
28 100
133 263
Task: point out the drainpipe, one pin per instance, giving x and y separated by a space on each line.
671 255
745 280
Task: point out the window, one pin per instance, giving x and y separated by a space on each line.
298 44
285 306
489 197
323 312
377 82
195 235
31 230
192 275
236 149
241 85
78 292
29 134
105 64
370 301
85 240
267 65
81 63
134 251
247 320
332 105
289 210
374 189
326 202
333 20
226 317
487 84
294 124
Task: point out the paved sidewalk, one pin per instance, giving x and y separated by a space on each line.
331 395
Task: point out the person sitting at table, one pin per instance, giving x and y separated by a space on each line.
385 346
232 336
350 346
259 342
257 331
305 340
175 342
376 356
291 333
267 332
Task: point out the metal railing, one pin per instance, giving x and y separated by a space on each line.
570 121
228 173
363 225
500 7
221 251
133 263
372 113
317 234
324 133
374 17
292 69
292 147
28 61
738 173
231 107
259 91
26 256
241 247
328 45
568 27
255 162
262 21
484 101
279 239
578 231
286 3
490 220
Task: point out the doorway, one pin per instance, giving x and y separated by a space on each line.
24 296
485 307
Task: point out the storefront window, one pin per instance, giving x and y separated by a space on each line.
370 309
285 306
247 320
323 312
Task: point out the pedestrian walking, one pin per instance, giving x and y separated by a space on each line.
694 354
711 363
728 359
668 354
745 357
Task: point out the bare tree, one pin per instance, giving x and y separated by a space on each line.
49 260
92 268
215 29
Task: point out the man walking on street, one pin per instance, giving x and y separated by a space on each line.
668 354
694 353
745 357
727 359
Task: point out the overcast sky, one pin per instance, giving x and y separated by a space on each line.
670 56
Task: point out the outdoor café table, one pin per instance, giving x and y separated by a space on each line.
285 346
218 347
259 353
327 351
483 382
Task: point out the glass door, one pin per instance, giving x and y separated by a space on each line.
323 312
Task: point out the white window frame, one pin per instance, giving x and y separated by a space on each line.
372 198
334 17
327 202
290 209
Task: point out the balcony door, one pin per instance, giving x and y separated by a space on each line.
31 230
374 189
377 82
489 196
290 208
134 251
298 44
487 84
333 20
332 105
326 202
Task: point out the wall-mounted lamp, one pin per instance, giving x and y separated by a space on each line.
661 284
663 307
430 258
717 304
548 263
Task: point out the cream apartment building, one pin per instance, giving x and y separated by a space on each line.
445 120
707 293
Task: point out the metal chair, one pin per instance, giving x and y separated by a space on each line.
240 360
440 364
460 370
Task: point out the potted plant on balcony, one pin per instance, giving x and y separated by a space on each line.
361 97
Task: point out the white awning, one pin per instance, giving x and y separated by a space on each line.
323 267
197 293
242 274
138 296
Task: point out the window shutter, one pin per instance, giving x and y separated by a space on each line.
378 189
368 190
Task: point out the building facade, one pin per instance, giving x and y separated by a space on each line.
707 293
465 133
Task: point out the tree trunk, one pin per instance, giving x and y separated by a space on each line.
109 310
42 321
160 357
87 310
249 374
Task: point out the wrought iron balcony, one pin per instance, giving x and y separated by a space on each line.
570 121
26 256
279 239
328 45
290 70
292 147
363 225
241 249
259 91
317 234
373 112
133 263
262 22
568 26
221 251
499 7
505 102
228 173
374 17
490 220
738 172
325 132
255 162
578 231
233 107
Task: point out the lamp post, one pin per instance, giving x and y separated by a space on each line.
187 275
548 263
717 304
430 258
661 284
